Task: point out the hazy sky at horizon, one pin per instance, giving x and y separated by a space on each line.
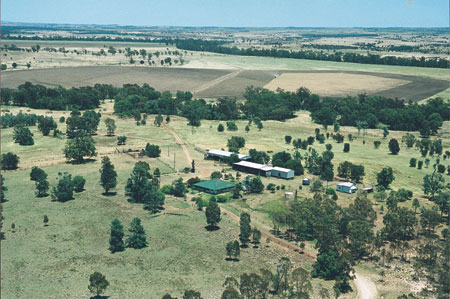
232 13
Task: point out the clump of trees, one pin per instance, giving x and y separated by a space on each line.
22 135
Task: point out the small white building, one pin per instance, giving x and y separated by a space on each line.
346 187
281 172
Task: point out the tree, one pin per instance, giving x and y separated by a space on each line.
433 184
45 220
296 166
394 148
399 224
346 147
78 183
22 135
415 204
288 139
429 219
245 229
153 199
179 189
191 294
121 140
235 143
116 243
236 250
413 162
45 124
97 284
256 236
376 144
42 187
110 126
9 161
212 214
260 125
385 177
247 129
152 150
137 239
158 120
301 280
220 128
216 175
63 191
138 182
256 185
37 174
80 147
3 189
108 175
231 126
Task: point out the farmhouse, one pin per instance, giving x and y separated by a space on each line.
214 186
284 173
254 168
223 155
346 187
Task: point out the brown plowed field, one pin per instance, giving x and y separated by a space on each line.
213 83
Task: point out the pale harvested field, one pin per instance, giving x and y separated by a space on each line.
334 84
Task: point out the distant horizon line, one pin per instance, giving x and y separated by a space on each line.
226 27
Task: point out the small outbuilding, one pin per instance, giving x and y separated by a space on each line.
280 172
368 189
214 186
306 181
346 187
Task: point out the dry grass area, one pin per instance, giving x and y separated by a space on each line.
334 84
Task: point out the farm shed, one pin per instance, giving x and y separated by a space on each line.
214 186
254 168
346 187
280 172
223 155
306 182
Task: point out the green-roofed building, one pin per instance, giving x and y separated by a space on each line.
214 186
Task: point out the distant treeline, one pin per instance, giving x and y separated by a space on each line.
59 98
133 100
217 47
6 36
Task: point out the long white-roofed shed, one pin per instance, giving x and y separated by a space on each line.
223 155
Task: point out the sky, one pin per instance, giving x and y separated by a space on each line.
232 13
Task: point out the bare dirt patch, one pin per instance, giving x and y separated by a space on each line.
334 84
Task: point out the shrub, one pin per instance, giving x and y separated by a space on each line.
412 162
441 168
62 119
9 161
231 126
346 147
167 189
376 144
220 128
330 191
419 164
78 183
193 181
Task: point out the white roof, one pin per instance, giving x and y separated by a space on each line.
281 169
254 165
226 153
347 184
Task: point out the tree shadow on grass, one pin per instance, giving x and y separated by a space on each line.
109 194
84 161
212 228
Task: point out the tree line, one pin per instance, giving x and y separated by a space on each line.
218 47
132 100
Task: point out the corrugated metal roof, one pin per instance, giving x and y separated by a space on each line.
347 184
227 154
214 184
281 169
254 165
